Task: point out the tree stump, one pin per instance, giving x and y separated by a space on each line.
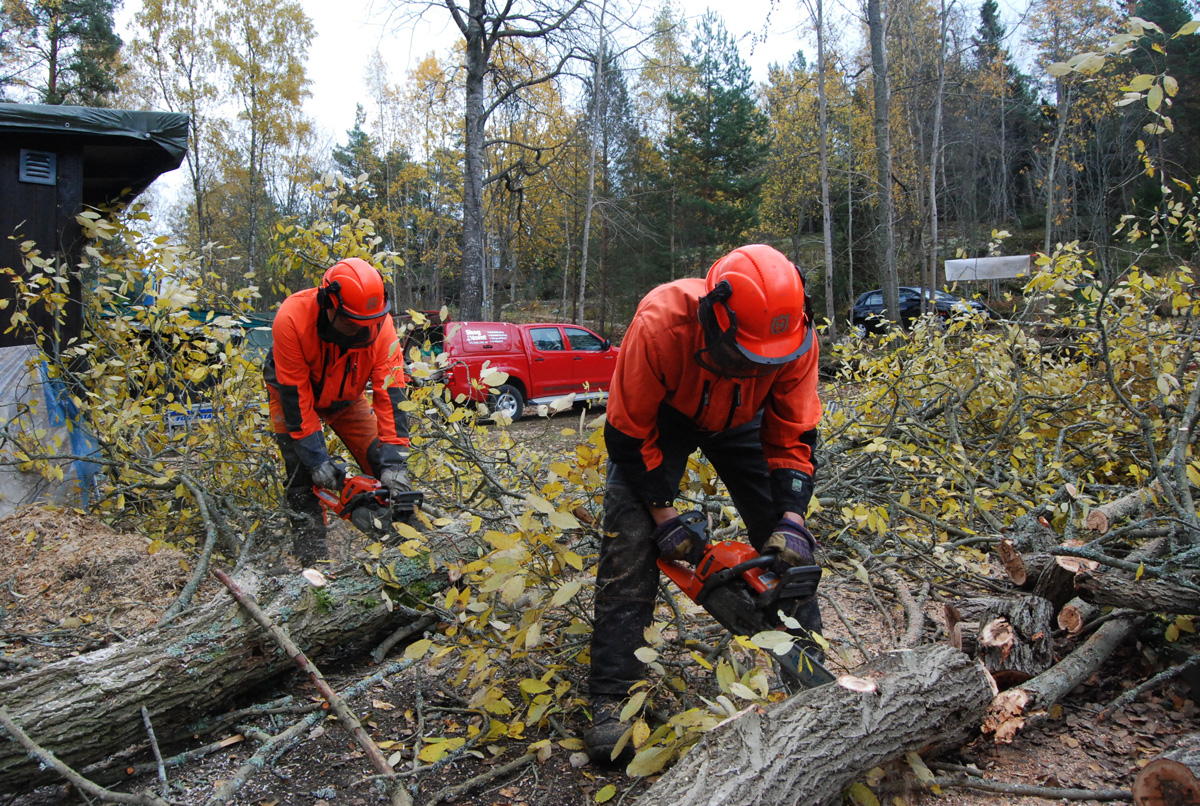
1014 639
83 709
810 747
1173 778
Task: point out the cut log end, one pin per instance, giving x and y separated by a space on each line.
1164 782
1014 566
1075 615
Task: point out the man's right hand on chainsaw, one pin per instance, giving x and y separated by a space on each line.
683 537
792 544
329 476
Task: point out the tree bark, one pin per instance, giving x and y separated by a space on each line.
1014 639
1108 588
1173 778
810 747
83 709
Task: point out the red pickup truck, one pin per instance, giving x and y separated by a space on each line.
543 361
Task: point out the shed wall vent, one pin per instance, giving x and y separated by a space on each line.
38 167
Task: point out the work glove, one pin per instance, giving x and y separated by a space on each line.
792 544
396 480
329 476
684 537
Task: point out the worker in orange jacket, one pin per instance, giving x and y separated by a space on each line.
726 364
327 344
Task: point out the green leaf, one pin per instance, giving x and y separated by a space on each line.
1141 83
648 761
1154 98
565 593
417 648
563 520
773 640
606 794
860 795
633 706
533 686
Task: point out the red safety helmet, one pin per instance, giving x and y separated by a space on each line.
354 288
754 314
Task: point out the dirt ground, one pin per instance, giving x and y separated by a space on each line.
69 584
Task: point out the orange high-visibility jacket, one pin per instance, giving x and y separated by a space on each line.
656 366
313 375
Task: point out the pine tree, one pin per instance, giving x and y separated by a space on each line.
716 151
65 51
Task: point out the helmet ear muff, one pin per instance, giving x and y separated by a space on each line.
325 295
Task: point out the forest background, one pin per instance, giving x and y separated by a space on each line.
567 201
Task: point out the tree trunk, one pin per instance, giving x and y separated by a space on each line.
1173 778
1108 588
823 149
471 301
883 158
83 709
810 747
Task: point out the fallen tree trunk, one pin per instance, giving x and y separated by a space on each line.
83 709
1116 589
810 747
1173 778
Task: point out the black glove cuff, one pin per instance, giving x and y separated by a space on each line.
791 490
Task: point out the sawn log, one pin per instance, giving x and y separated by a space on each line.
1173 778
85 708
810 747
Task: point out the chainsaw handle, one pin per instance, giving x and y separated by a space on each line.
723 576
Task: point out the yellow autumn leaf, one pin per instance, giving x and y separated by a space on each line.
606 794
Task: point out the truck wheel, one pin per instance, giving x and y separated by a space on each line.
508 399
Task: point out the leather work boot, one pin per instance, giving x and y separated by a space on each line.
606 730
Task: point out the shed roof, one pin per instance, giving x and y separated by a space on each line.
122 149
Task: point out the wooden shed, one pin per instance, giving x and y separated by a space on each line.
55 161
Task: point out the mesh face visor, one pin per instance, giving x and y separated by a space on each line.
723 355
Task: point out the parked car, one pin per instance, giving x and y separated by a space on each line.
543 361
869 312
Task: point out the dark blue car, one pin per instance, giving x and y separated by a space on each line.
868 310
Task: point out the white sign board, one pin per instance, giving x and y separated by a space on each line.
986 268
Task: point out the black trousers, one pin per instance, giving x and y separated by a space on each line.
627 577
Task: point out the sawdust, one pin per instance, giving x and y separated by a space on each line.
70 582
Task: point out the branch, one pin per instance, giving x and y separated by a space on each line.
48 759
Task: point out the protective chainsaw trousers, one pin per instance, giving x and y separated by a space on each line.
627 577
355 425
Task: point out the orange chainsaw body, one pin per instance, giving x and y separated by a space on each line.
718 557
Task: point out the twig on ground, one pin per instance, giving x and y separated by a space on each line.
1030 791
426 620
451 793
346 718
1153 682
26 663
158 759
257 761
45 757
210 542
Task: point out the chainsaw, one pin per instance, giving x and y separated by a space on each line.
733 583
369 505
